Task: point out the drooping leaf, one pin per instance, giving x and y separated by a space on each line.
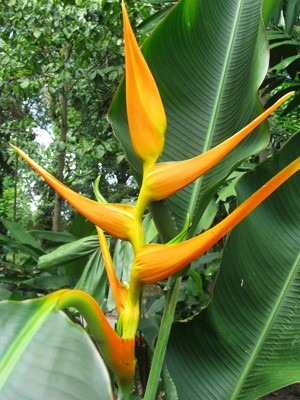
45 356
15 246
21 235
207 78
246 343
284 63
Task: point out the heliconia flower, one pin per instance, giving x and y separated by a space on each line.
118 353
117 219
145 112
120 293
164 179
155 262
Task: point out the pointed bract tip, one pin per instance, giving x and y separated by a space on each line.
116 219
145 112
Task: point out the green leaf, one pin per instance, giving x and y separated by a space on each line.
25 83
208 216
69 252
60 237
45 356
292 13
149 24
246 343
169 387
50 282
284 63
93 279
285 42
20 234
17 247
37 33
208 79
269 8
5 294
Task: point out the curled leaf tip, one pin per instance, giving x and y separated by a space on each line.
145 112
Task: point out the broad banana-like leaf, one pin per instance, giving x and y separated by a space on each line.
43 355
208 59
247 342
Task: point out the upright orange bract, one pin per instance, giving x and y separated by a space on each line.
145 112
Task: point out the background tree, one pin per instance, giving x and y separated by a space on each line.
61 62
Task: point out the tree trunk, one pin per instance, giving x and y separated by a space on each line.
58 200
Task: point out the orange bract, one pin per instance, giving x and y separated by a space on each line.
120 293
145 112
156 262
117 219
164 179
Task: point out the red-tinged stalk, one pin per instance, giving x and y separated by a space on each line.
156 262
145 112
164 179
120 293
117 219
117 352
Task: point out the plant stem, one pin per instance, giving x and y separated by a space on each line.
162 340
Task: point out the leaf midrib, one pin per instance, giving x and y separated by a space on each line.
19 345
269 323
213 120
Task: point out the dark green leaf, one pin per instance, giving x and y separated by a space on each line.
292 13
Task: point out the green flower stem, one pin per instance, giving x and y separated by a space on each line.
162 340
